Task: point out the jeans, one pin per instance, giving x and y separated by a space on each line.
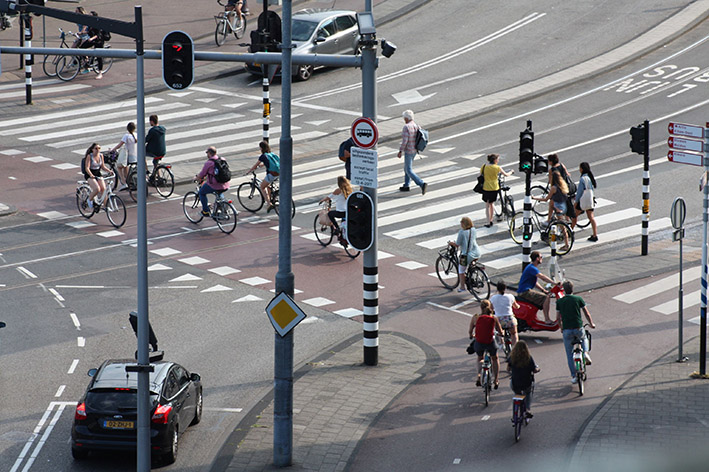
528 395
333 215
409 174
569 336
203 191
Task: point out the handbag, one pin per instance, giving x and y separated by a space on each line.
471 348
323 219
123 154
587 200
481 181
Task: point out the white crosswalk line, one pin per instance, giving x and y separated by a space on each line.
44 91
688 300
659 286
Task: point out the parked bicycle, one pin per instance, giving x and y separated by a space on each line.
49 62
486 378
580 358
161 178
557 230
251 198
519 413
110 202
68 67
221 210
476 280
505 204
228 22
325 233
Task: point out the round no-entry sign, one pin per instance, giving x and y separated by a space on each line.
364 133
678 212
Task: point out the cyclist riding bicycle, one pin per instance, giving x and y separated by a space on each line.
339 197
212 185
273 168
558 194
155 141
469 249
482 328
91 166
503 304
568 314
522 368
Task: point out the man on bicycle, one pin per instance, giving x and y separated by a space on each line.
273 168
155 141
568 315
212 185
531 275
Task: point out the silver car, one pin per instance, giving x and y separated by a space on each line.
319 32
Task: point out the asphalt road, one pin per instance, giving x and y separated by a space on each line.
68 287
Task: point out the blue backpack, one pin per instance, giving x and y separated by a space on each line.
274 163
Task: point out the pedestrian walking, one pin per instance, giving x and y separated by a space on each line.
408 149
127 155
568 315
491 185
344 155
468 246
155 141
585 198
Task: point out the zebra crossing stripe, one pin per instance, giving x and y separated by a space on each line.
672 306
659 286
43 91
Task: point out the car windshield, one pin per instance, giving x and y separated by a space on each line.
302 30
112 399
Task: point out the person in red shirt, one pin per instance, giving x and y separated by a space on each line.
482 328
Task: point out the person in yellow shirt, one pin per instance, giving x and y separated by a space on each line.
491 186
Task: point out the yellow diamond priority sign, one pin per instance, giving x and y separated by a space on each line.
284 313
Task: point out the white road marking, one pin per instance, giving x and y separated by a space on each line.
450 309
60 390
26 273
72 367
661 285
56 294
81 341
75 320
35 434
216 288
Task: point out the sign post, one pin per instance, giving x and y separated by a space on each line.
677 214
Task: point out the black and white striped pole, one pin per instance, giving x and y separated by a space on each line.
640 144
27 31
526 165
266 108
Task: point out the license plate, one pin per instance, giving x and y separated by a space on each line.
113 424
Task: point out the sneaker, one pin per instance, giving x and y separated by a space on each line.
123 187
461 290
99 76
90 204
588 359
403 189
574 380
204 213
593 239
423 188
528 415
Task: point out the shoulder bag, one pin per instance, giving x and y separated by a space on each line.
481 181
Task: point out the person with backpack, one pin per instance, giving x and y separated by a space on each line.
272 163
344 155
215 170
408 148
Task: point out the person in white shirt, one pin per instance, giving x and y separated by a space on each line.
130 156
339 198
503 304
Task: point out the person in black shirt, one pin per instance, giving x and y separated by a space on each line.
523 368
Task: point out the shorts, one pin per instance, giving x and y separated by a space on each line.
122 160
534 297
490 196
94 173
232 3
560 207
480 348
270 178
507 321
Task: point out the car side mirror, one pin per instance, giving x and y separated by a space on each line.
195 377
92 372
320 39
2 324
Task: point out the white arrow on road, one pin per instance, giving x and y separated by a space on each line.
410 96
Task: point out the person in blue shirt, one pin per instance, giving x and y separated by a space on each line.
530 279
468 246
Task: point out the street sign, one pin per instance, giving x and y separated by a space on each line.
284 313
678 212
685 144
681 129
685 158
363 163
364 133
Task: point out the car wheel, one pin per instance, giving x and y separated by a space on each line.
198 409
171 456
79 454
304 72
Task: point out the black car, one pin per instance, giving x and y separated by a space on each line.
107 414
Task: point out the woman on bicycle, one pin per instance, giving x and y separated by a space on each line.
130 156
469 249
273 168
558 194
586 183
339 196
482 328
522 368
503 304
491 186
91 167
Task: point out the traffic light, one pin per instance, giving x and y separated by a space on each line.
638 138
526 150
177 60
359 218
541 164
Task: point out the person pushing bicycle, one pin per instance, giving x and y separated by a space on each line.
468 246
272 163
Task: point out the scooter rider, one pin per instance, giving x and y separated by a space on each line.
531 276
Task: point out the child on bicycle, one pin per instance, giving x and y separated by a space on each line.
482 329
469 249
273 168
522 367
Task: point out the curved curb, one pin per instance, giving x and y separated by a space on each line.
6 210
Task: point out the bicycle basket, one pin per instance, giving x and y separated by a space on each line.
110 157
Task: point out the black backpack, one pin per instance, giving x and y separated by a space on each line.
222 174
104 36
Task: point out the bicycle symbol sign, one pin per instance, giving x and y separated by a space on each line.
364 133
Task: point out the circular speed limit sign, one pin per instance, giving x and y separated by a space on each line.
364 133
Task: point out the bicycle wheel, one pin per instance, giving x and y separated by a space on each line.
447 271
540 208
564 237
352 252
164 181
68 68
249 197
579 377
477 283
506 343
191 207
116 211
82 201
49 65
240 27
221 32
276 203
114 185
498 207
509 206
132 183
225 215
323 233
586 221
516 225
107 63
517 420
487 386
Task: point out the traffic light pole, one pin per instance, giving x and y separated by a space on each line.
646 190
526 156
705 268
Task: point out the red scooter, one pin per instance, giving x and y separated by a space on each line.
526 314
